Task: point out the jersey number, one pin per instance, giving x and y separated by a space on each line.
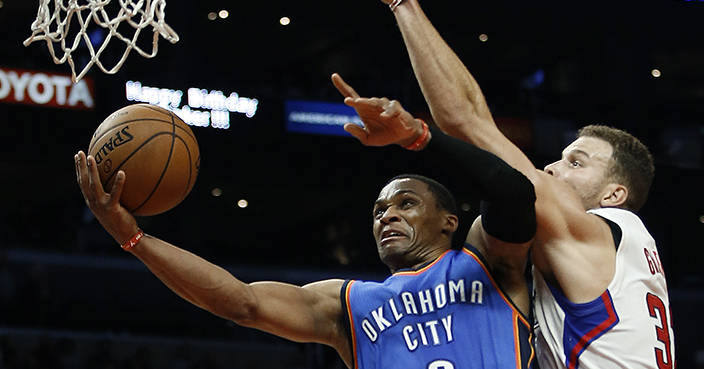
656 308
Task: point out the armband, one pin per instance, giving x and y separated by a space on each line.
133 241
508 196
423 136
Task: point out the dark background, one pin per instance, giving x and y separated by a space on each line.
553 66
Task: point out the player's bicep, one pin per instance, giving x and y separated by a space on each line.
303 314
575 249
560 212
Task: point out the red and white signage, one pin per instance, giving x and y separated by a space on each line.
45 89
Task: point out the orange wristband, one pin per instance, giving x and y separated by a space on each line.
420 139
133 241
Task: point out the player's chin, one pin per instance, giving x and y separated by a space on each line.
392 248
385 243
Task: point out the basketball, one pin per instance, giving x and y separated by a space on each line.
157 151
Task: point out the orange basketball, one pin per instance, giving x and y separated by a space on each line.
157 151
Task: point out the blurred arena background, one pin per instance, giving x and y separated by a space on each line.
280 201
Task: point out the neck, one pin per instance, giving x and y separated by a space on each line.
418 262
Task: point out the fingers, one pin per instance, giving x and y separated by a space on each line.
82 177
352 98
95 185
91 186
116 190
342 86
382 107
105 206
369 103
77 159
393 109
360 133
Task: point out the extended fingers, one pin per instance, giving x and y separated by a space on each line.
116 190
82 176
89 181
384 105
93 176
77 161
378 105
342 86
352 98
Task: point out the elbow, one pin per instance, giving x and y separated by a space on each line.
511 218
525 192
245 316
451 121
516 226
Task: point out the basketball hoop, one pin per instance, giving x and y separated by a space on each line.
54 29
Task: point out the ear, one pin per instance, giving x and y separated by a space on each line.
614 195
451 223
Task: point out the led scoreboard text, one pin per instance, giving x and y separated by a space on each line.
319 117
204 108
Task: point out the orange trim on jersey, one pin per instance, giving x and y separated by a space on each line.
517 340
496 286
531 358
423 269
355 364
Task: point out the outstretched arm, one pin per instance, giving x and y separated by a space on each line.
456 102
572 245
312 313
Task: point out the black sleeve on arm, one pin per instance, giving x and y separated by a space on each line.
508 197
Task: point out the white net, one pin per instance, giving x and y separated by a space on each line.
53 26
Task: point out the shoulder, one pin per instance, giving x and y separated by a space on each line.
561 216
618 215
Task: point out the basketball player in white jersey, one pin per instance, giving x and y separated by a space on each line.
601 297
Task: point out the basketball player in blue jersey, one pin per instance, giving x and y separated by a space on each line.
440 308
601 297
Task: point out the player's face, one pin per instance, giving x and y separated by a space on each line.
407 223
584 167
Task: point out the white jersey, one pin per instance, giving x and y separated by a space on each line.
628 326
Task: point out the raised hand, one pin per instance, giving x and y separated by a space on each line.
385 121
105 206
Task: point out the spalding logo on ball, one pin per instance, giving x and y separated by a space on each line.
157 151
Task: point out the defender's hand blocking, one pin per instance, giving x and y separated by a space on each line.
385 121
105 206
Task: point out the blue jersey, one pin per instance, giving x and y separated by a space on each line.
449 314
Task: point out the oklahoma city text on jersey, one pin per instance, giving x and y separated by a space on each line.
431 332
